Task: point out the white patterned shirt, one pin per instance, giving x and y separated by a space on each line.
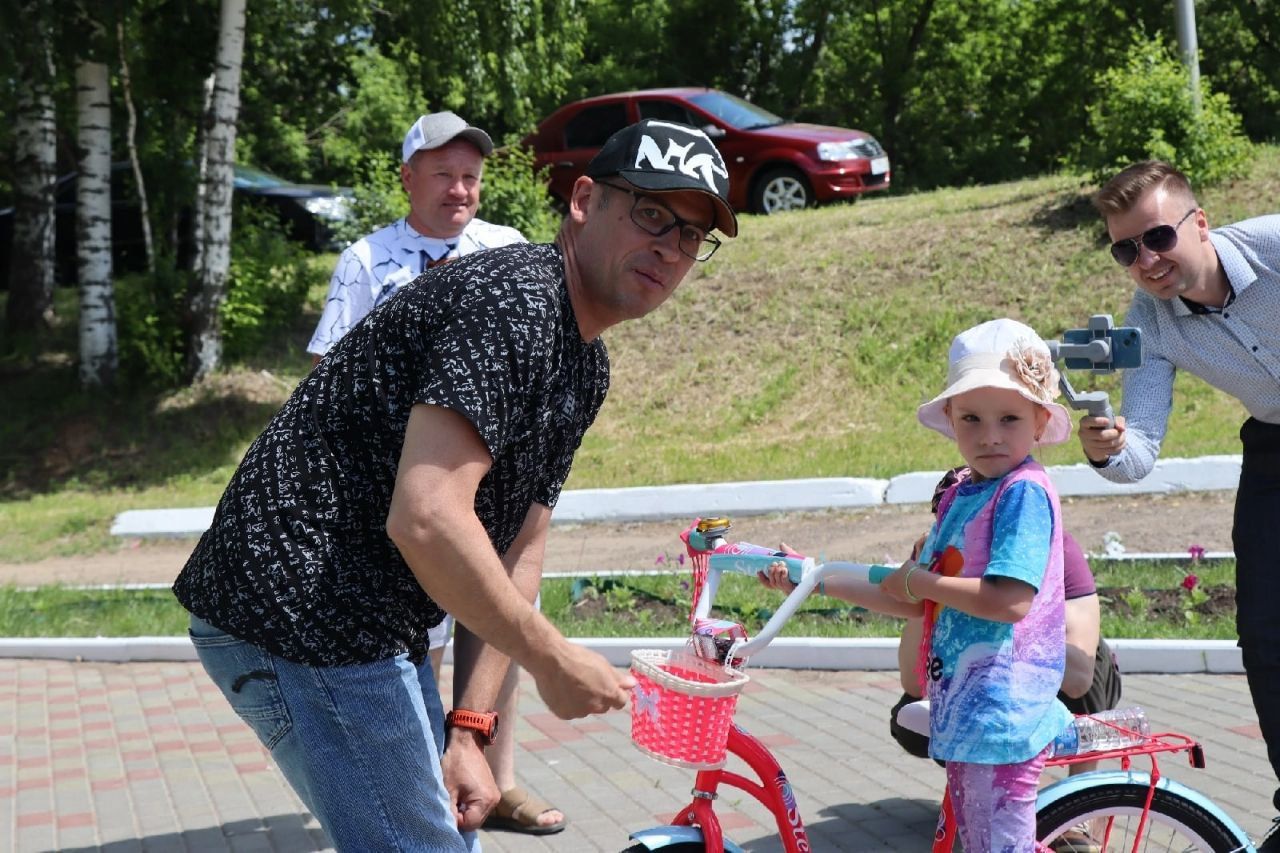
1236 350
374 267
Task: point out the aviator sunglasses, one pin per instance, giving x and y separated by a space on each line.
1160 239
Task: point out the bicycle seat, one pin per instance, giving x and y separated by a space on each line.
914 717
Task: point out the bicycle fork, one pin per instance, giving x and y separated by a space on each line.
773 791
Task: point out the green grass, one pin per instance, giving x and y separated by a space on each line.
58 611
1167 574
801 350
649 605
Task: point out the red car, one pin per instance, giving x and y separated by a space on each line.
773 164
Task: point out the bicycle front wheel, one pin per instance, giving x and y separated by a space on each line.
1078 822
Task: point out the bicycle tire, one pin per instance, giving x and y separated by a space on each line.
1174 823
680 847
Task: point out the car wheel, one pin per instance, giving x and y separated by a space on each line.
781 189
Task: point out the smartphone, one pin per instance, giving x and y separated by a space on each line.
1125 348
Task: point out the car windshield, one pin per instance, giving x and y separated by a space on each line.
736 112
247 176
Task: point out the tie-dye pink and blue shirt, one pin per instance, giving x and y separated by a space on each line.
993 685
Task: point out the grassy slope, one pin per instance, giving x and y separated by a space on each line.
804 347
801 350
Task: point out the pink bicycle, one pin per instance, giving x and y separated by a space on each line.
682 714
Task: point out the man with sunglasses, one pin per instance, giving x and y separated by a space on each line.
1208 302
412 473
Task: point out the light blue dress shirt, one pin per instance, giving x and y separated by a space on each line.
1236 350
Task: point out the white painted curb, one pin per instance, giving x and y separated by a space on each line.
153 523
102 649
761 497
752 497
1218 657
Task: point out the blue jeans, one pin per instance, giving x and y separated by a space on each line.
356 742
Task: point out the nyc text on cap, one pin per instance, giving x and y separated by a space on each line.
665 156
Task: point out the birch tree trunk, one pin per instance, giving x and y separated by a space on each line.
31 272
131 143
202 170
204 342
93 225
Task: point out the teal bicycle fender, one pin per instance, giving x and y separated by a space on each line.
658 837
1051 794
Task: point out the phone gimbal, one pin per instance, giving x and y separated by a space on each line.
1100 347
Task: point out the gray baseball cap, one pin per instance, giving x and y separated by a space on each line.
436 129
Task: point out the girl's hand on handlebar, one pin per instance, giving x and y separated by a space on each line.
895 585
775 577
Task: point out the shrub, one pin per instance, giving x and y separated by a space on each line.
515 195
149 322
267 285
1144 110
266 288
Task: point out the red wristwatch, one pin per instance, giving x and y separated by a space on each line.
484 723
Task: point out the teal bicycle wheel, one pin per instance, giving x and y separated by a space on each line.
1077 823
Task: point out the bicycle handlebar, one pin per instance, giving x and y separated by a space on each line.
805 572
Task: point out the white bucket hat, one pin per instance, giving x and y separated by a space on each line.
1000 354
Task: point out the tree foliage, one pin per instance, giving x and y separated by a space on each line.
497 62
959 91
1148 112
511 198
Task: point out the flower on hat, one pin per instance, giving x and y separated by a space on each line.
1006 354
1034 370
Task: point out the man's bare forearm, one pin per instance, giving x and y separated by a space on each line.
478 681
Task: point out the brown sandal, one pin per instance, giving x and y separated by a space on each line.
518 811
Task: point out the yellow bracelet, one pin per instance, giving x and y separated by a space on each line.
906 586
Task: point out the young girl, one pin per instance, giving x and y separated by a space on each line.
989 586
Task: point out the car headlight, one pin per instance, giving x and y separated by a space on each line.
850 149
328 207
835 151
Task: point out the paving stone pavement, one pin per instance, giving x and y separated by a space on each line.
148 756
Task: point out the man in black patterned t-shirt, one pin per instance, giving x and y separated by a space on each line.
414 472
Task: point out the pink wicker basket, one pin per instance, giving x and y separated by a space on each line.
682 707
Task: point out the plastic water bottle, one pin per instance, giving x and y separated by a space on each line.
1093 735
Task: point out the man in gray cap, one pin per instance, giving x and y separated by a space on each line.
412 473
442 164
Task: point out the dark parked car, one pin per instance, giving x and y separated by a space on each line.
307 212
774 164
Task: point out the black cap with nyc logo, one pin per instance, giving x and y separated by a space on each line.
665 156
